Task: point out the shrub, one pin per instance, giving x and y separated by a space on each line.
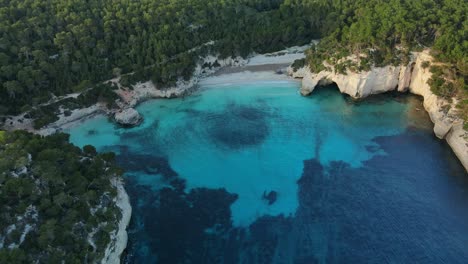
297 64
425 64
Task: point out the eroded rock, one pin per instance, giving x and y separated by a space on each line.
128 117
413 78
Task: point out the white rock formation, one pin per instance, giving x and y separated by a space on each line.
412 78
357 85
446 124
128 117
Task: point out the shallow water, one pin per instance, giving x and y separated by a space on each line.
255 173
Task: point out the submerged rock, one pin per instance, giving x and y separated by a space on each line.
270 197
128 117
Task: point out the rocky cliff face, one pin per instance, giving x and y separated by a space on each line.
357 85
413 78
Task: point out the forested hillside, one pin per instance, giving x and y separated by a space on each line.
57 47
380 33
53 196
63 46
388 26
56 200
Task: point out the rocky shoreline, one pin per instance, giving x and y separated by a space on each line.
410 78
126 115
119 237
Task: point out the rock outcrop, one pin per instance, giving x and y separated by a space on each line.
413 78
357 85
119 237
442 113
128 117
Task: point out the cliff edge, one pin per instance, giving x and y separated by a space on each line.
413 78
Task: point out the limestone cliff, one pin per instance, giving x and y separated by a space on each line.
413 78
357 85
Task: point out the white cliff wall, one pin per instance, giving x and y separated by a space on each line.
412 78
446 124
357 85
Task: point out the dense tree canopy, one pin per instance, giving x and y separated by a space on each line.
385 32
54 199
56 47
383 26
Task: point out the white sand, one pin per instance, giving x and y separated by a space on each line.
256 68
288 55
237 68
243 77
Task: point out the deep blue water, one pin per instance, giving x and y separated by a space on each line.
255 173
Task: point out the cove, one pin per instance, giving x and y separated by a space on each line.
252 172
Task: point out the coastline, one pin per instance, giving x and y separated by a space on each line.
267 64
412 78
143 91
119 238
275 67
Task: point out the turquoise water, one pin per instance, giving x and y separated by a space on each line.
255 173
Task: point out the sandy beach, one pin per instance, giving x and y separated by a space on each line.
277 67
256 67
271 67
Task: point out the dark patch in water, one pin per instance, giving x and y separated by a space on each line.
372 149
143 136
238 127
270 197
385 210
178 227
406 206
190 111
149 164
